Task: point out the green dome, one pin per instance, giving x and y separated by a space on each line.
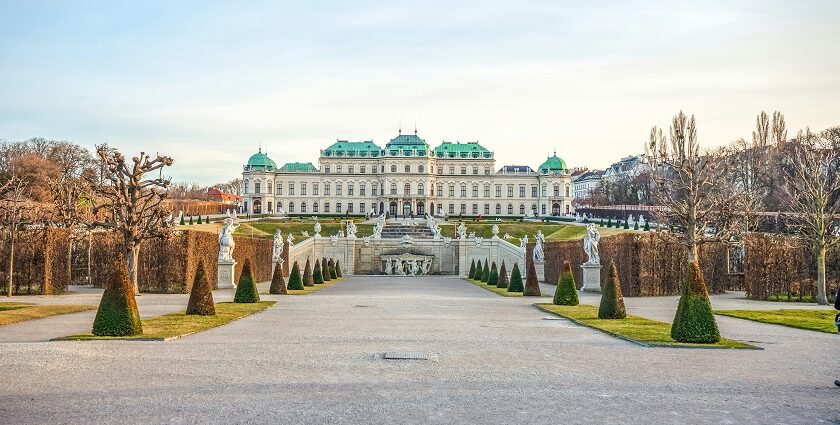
553 165
261 160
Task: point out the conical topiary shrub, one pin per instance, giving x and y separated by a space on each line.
278 282
478 270
246 289
694 321
566 291
199 219
515 280
191 221
295 281
636 225
331 268
647 226
626 223
485 274
182 222
337 269
532 285
307 274
493 280
325 270
117 314
612 301
317 274
471 274
201 294
503 277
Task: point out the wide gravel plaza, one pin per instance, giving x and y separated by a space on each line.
318 359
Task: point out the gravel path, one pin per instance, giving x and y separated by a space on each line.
317 359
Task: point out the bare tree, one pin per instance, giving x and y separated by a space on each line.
700 201
812 186
12 207
71 210
131 203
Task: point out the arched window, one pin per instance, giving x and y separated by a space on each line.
393 168
510 209
407 189
420 168
498 209
326 207
291 207
522 209
279 206
393 188
315 207
303 207
407 168
421 189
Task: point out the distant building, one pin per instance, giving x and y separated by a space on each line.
406 177
587 183
629 167
217 195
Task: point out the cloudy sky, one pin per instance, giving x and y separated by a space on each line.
208 82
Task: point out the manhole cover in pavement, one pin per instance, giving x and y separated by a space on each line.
405 355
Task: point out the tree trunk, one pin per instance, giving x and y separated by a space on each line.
821 298
70 262
90 251
131 257
10 277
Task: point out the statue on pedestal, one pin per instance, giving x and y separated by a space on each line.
495 231
590 244
277 251
317 230
226 243
539 254
462 231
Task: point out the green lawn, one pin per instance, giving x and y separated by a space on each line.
812 320
13 312
552 231
175 325
636 329
500 291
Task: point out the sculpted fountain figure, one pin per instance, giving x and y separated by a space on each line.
590 244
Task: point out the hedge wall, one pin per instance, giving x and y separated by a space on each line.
168 265
647 266
784 265
40 262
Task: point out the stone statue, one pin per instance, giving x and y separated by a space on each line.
351 229
539 254
447 240
495 231
333 239
290 239
507 236
388 269
317 230
523 242
377 230
277 252
427 265
472 235
304 233
406 240
462 231
478 241
590 244
226 243
412 267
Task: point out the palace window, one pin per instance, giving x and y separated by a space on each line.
338 207
373 189
510 191
475 169
522 209
463 191
556 190
315 189
303 207
543 210
338 189
291 207
393 188
362 207
439 169
463 208
362 169
498 209
268 190
327 169
407 168
463 169
498 191
420 168
279 189
362 189
393 168
486 171
544 190
567 191
533 191
451 169
440 189
486 209
338 168
451 190
521 190
475 209
451 209
475 191
350 189
487 191
407 189
326 207
439 208
291 189
510 209
349 207
303 189
350 169
279 206
326 189
315 207
245 187
257 187
421 189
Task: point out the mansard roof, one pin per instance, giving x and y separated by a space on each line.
462 150
352 149
298 167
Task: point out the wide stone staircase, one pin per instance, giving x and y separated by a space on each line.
397 231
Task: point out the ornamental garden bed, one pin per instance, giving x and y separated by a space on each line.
808 319
641 331
14 312
178 325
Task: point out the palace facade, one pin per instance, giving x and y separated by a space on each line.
406 177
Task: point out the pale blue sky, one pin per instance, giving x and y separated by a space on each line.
207 82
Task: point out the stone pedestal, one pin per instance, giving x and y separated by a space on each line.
225 274
540 267
591 277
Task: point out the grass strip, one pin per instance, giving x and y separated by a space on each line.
645 332
812 320
14 312
177 325
310 289
499 291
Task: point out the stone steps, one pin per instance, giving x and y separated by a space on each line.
398 231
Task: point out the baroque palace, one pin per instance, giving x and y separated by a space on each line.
407 177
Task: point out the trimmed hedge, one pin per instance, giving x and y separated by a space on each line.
317 274
515 280
325 269
307 274
566 291
278 282
331 268
295 281
479 269
201 295
337 269
471 274
485 273
493 280
503 277
117 314
246 290
532 285
612 301
694 321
